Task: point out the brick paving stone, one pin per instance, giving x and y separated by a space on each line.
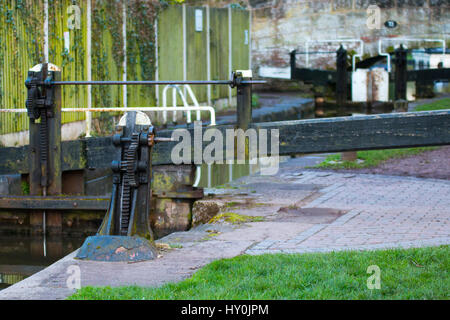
384 212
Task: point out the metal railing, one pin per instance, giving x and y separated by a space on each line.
388 56
176 89
147 109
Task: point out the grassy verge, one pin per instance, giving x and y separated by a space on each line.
436 105
370 158
405 274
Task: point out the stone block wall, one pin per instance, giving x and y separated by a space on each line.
279 26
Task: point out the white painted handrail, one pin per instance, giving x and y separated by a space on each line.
198 175
388 56
147 109
361 51
176 89
194 99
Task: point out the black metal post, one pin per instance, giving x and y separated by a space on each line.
244 104
341 76
293 63
400 73
44 110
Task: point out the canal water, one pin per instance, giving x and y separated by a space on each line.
219 174
22 256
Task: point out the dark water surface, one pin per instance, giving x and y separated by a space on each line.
20 257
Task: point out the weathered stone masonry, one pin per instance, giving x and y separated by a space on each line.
279 26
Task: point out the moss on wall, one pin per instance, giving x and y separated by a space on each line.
22 43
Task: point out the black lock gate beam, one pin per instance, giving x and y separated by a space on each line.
422 77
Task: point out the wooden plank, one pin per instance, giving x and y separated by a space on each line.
381 131
100 152
429 75
219 50
170 52
314 76
240 23
73 155
15 159
196 53
54 203
368 132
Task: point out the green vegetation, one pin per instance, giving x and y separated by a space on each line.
437 105
25 186
405 274
232 204
211 234
235 218
255 101
370 158
226 186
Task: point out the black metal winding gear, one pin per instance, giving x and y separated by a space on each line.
132 160
129 181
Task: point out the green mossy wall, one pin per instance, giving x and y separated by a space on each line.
22 43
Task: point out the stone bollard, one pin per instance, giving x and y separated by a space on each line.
205 210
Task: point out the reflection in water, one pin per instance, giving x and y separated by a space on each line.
218 174
20 257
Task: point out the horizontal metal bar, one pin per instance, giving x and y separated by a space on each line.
54 203
152 82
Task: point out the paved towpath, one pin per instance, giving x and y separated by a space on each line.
303 210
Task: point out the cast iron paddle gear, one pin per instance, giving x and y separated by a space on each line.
129 209
39 104
129 181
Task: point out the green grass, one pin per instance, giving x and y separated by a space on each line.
436 105
255 101
405 274
371 158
